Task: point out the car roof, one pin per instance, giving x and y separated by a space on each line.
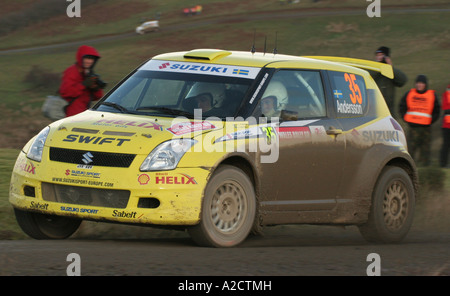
258 59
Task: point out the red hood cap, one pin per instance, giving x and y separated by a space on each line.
85 50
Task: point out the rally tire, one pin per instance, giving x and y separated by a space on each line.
392 208
228 209
42 226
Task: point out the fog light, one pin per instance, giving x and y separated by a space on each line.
29 191
148 203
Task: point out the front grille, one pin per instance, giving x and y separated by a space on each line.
105 159
108 198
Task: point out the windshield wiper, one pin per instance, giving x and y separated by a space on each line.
115 106
167 110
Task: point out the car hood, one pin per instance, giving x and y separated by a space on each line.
123 133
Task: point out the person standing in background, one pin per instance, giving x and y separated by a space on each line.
79 84
420 108
387 85
445 128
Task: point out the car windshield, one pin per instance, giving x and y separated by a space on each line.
214 91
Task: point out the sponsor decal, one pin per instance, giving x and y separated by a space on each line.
355 133
189 127
164 65
126 123
28 167
169 179
83 182
381 136
94 140
78 210
317 130
125 214
286 132
294 132
199 68
270 133
143 179
79 173
242 134
38 206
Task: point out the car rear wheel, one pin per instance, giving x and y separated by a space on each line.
392 209
42 226
228 209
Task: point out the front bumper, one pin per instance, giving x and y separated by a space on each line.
109 194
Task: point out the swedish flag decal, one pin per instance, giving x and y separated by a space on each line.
240 72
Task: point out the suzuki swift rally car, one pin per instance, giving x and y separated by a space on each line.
222 143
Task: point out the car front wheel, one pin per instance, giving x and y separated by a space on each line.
42 226
228 209
392 209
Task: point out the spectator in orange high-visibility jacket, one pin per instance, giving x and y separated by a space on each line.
420 108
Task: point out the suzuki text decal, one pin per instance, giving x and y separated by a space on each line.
198 68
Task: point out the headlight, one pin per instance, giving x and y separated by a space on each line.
35 151
167 155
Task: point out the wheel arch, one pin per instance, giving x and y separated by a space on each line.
410 168
244 162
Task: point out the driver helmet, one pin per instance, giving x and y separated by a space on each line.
277 90
216 90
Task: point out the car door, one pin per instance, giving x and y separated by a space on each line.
307 173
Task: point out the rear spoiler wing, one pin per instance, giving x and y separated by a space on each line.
384 69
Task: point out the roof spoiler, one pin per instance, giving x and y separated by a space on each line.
206 54
384 69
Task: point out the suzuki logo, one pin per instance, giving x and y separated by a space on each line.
87 158
165 65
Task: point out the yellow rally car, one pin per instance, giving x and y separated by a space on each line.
222 143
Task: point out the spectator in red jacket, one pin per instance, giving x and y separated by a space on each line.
79 84
445 128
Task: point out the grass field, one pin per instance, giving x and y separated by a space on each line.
419 42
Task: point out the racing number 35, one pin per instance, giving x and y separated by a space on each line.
355 96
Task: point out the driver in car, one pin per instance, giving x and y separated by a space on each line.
274 99
206 96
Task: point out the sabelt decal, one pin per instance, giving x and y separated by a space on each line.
38 206
199 68
126 214
190 127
